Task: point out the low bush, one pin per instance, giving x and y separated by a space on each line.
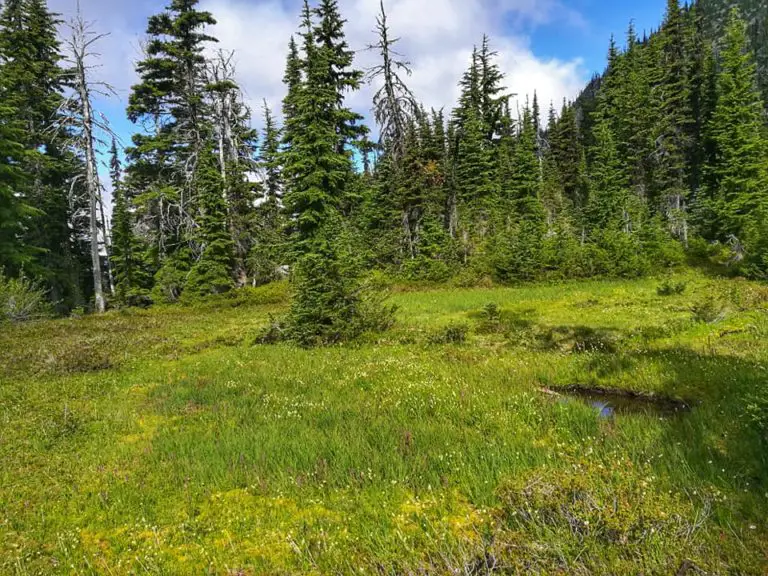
671 288
709 310
331 305
22 299
454 333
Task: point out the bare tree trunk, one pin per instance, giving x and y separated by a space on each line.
79 44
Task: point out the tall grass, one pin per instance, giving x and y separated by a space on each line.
187 449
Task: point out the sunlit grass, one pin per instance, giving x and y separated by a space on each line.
176 446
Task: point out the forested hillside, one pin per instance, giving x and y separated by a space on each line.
663 159
755 14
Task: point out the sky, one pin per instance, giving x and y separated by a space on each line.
552 47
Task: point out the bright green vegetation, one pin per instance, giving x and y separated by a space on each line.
166 442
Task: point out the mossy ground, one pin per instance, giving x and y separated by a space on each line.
166 442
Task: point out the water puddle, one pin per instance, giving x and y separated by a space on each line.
609 403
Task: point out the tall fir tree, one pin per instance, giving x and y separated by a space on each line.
607 203
568 151
132 280
169 102
268 251
672 133
317 162
739 170
32 84
212 271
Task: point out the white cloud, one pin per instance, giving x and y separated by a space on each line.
437 38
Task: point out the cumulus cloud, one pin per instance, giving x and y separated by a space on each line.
437 37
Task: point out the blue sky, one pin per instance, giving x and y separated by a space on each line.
601 18
550 46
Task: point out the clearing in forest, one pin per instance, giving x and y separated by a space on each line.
168 441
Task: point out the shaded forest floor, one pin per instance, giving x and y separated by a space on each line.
167 442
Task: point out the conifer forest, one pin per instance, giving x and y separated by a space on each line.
507 336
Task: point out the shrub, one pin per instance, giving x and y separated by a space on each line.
671 288
476 275
424 268
455 333
756 245
616 253
490 318
207 277
331 305
517 254
709 309
170 280
21 300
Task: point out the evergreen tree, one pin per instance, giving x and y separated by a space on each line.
490 89
739 171
268 247
340 76
478 118
516 246
568 153
552 194
293 82
607 204
525 185
130 275
211 273
633 127
14 213
32 84
169 101
329 304
317 163
672 133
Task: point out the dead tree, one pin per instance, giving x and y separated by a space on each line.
83 125
236 150
394 108
394 105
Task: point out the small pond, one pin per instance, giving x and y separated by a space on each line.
609 403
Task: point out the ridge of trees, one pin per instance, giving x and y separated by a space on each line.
665 152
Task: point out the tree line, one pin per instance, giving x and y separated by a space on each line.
662 157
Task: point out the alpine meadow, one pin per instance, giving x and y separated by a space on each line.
506 336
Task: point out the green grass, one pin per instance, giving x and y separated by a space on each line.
165 442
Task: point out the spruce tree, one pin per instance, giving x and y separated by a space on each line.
491 90
568 153
317 163
328 305
169 101
14 212
340 75
608 186
739 171
293 81
268 249
672 133
211 272
516 246
32 85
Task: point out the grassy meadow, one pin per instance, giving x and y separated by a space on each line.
168 441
